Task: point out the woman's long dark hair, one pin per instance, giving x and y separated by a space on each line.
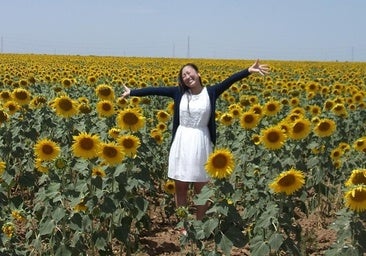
181 84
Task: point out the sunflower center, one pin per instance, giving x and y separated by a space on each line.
324 126
271 107
105 91
298 127
86 143
21 95
273 137
249 118
359 196
107 107
128 143
359 179
65 104
130 119
286 181
47 149
110 152
219 161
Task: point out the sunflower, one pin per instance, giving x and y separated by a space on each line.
288 182
315 110
249 120
300 129
111 153
163 116
84 108
12 107
3 116
5 96
104 92
220 163
65 106
80 207
39 165
256 138
105 108
86 145
325 127
130 119
66 82
235 110
169 187
170 107
161 127
257 109
272 107
273 137
336 154
37 102
46 149
21 96
358 177
340 110
226 119
2 167
122 102
355 198
130 144
360 144
157 135
114 132
97 171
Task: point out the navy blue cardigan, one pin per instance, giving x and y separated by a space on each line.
176 94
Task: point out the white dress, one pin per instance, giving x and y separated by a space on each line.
192 145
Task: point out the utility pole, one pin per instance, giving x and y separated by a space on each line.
173 50
2 44
188 50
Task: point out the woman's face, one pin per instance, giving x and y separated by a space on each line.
190 77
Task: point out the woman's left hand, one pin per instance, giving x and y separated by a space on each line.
262 69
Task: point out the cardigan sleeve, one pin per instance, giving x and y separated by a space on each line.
158 91
224 85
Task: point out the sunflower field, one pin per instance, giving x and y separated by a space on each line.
81 169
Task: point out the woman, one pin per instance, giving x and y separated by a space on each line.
194 127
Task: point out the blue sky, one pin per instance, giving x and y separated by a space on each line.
320 30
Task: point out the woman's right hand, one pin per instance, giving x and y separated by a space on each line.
126 93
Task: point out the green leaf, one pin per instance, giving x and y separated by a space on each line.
46 228
108 205
122 232
259 247
58 214
141 205
236 236
209 226
63 251
204 196
225 244
275 241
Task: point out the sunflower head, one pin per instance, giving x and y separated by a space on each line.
111 153
65 106
355 198
169 187
358 177
86 145
273 137
46 149
130 144
130 119
288 182
220 164
249 120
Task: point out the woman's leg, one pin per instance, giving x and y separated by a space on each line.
181 192
201 209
